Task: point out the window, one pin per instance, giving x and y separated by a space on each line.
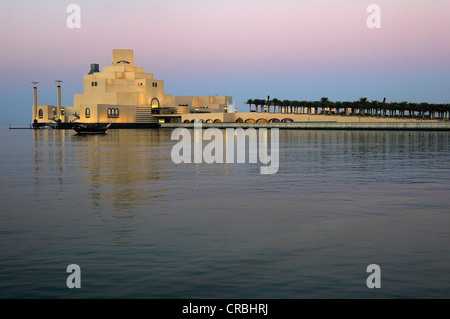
41 113
87 113
155 103
155 84
113 113
54 112
94 83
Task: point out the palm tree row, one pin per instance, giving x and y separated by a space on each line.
362 107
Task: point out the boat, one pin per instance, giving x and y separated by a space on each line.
96 128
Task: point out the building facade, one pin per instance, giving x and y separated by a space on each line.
124 95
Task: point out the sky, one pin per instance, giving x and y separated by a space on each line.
247 49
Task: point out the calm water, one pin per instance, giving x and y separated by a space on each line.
140 226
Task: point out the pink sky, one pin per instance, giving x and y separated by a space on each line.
247 49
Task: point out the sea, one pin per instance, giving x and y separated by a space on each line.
137 225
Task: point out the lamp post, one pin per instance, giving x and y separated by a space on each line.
34 103
58 97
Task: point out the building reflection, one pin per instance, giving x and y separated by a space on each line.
115 175
49 155
122 169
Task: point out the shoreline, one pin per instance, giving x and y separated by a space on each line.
372 126
369 126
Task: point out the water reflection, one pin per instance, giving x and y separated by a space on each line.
119 167
126 176
340 200
326 149
116 172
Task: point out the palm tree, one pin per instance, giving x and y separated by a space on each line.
394 108
362 106
257 103
338 106
355 107
286 104
375 106
302 105
423 108
324 102
347 107
307 105
402 107
316 105
293 106
249 102
276 103
432 110
443 110
413 107
263 105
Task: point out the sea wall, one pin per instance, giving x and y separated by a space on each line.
387 126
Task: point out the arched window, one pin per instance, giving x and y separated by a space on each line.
113 113
41 113
87 113
155 103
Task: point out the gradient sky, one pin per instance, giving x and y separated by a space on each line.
288 49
